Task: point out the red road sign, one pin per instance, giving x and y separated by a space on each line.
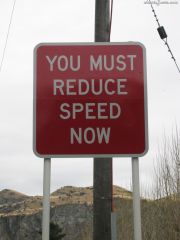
90 100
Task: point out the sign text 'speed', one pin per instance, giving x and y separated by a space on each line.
90 110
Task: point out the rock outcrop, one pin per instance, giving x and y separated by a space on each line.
71 209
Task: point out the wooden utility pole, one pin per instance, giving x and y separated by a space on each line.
102 20
102 166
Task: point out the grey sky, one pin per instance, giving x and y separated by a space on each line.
73 21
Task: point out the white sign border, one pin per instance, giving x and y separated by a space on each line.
145 100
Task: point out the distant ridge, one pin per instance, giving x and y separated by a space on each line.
71 194
16 203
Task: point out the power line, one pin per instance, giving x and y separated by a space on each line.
110 20
163 36
7 36
154 14
172 56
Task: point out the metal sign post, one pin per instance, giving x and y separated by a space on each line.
136 199
46 199
113 226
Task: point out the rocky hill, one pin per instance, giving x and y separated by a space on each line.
9 197
71 209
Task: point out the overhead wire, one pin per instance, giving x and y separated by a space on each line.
157 20
110 20
163 36
7 36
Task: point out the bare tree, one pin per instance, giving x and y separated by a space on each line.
165 209
167 169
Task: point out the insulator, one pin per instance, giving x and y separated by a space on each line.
162 32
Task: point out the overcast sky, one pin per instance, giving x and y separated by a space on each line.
73 21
